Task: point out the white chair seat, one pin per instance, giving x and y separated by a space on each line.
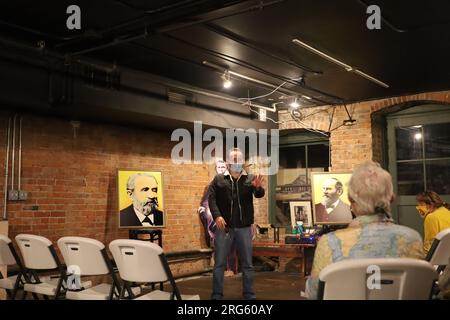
163 295
48 286
99 292
8 283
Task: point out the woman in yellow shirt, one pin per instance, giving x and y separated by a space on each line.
436 215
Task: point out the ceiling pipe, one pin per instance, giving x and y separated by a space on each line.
213 95
263 83
339 63
172 27
259 70
237 38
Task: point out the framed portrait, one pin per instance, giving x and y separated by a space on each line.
140 199
301 211
330 198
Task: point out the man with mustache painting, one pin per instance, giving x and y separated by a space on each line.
142 188
332 209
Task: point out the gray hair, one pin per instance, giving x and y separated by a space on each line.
338 185
370 187
131 182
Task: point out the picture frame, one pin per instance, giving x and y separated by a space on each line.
301 211
142 207
330 198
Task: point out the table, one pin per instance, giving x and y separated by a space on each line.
271 249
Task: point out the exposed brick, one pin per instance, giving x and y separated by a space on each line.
352 145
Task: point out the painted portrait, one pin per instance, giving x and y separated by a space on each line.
141 202
330 198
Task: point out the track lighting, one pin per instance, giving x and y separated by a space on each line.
294 104
339 63
227 80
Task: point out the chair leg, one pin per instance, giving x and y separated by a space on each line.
16 286
24 295
35 296
122 292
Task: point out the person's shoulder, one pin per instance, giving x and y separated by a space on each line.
433 217
219 177
406 233
319 205
441 211
126 210
343 204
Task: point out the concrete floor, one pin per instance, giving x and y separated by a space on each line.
268 286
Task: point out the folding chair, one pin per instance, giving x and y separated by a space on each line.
8 257
91 259
377 279
39 254
145 262
439 253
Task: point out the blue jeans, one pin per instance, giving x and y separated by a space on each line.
243 241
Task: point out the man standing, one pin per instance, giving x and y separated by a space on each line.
142 188
332 209
231 204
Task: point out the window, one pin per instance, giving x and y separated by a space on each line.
300 154
423 158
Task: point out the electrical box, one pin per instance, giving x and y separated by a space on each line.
13 195
23 195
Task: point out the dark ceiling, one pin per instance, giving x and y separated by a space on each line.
254 38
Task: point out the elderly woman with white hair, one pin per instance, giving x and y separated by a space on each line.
372 234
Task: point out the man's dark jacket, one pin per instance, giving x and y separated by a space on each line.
220 197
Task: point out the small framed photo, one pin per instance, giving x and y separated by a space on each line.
301 211
140 199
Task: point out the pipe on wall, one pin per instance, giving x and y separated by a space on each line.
8 138
19 173
13 157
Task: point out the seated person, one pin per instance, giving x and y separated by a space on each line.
436 216
372 234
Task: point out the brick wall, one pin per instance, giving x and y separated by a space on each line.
351 145
71 177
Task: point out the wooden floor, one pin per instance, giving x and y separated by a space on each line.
268 286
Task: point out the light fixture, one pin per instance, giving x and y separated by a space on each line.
227 79
418 136
242 76
294 104
339 63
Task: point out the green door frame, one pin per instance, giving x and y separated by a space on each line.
419 115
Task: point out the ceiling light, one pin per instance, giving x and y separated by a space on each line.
242 76
339 63
294 104
226 80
